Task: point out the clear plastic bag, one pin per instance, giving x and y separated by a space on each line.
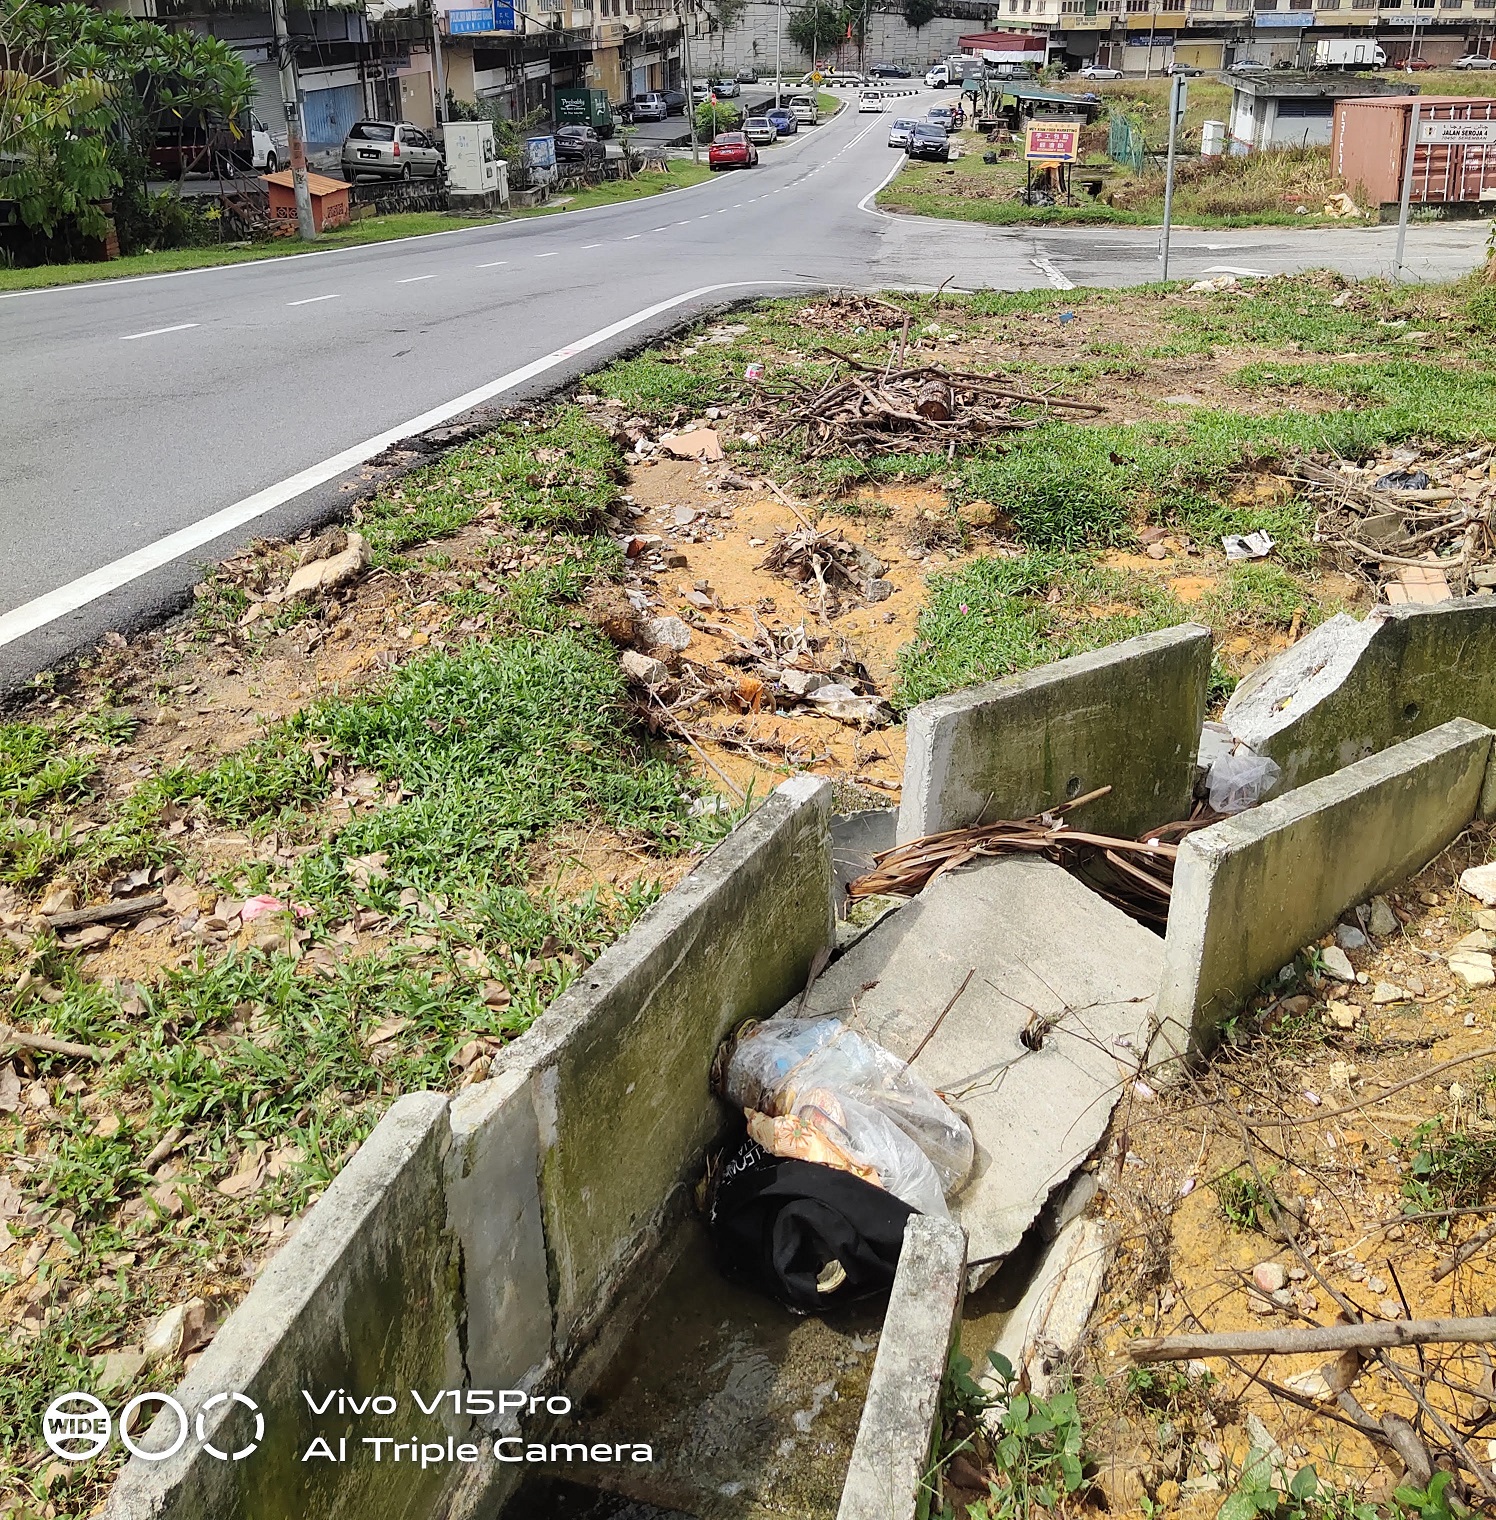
863 1098
1240 781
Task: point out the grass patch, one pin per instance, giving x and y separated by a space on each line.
1246 1203
993 617
374 229
678 174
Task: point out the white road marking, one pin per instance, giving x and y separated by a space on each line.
1250 274
1050 273
497 264
97 583
630 238
665 228
552 254
415 279
587 246
308 300
156 332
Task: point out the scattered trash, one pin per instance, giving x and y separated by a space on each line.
1241 780
1215 286
1401 480
1341 205
1256 545
699 443
753 373
819 1091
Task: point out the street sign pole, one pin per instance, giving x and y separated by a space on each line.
440 74
286 66
1178 93
1410 152
685 33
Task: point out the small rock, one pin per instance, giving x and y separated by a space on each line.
1167 1493
1375 1285
96 936
1473 967
1269 1276
107 1127
699 443
1389 1308
58 900
1349 938
644 668
1416 985
878 591
684 516
1485 918
803 682
1156 551
1337 964
668 633
325 574
1284 1298
1341 1015
1396 1232
1341 1073
118 1369
978 514
1260 1305
675 560
1388 992
1383 920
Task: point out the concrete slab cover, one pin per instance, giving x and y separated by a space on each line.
1128 715
1040 943
1349 688
1251 891
621 1061
896 1439
359 1298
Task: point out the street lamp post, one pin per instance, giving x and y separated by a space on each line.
685 33
286 66
778 53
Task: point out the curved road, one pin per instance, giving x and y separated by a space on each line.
154 424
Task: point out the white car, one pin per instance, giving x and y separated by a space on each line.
899 133
872 101
804 110
1474 61
1094 71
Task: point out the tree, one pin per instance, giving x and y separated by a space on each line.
83 96
817 26
920 13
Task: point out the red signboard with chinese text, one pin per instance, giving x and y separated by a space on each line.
1052 142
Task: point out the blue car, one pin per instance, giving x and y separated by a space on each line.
784 123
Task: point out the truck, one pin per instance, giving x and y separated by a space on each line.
955 71
585 108
1342 53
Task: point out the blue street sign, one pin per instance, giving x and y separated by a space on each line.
492 18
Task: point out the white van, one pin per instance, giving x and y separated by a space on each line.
803 108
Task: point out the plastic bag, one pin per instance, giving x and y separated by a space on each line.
1238 782
858 1096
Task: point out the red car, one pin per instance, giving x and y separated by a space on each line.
731 150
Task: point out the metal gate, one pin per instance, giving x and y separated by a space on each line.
1124 143
329 115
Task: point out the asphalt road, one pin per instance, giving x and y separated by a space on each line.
154 424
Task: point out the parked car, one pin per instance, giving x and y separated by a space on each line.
650 107
1184 70
888 71
871 101
748 76
943 116
782 119
805 110
1249 66
579 145
899 131
731 150
759 129
391 150
725 89
1415 65
675 101
929 140
1474 61
701 87
1095 71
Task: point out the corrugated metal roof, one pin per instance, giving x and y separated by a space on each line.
1033 92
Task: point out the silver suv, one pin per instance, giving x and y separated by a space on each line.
391 150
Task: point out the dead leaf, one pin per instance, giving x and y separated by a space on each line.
248 1175
181 897
387 1031
10 1089
362 869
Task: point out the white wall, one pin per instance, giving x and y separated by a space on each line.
750 42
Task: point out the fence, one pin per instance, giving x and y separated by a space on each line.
1124 143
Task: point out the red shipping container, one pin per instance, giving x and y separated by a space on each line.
1454 161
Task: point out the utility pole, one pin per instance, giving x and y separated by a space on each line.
440 70
778 53
1178 93
1410 152
286 64
685 33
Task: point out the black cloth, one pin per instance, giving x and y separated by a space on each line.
806 1234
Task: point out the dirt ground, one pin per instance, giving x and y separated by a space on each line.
1330 1117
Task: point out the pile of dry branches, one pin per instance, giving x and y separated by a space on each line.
1138 874
1380 534
883 409
829 559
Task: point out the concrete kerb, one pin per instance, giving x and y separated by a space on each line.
900 1426
359 1298
1251 891
1350 688
619 1065
1128 716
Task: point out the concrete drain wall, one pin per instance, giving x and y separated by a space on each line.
503 1239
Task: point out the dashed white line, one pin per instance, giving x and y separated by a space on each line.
665 228
586 246
156 332
415 279
552 254
308 300
1053 275
630 238
497 264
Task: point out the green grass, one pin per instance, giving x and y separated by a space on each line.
374 229
993 617
679 174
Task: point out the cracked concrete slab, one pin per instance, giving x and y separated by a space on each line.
1043 949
